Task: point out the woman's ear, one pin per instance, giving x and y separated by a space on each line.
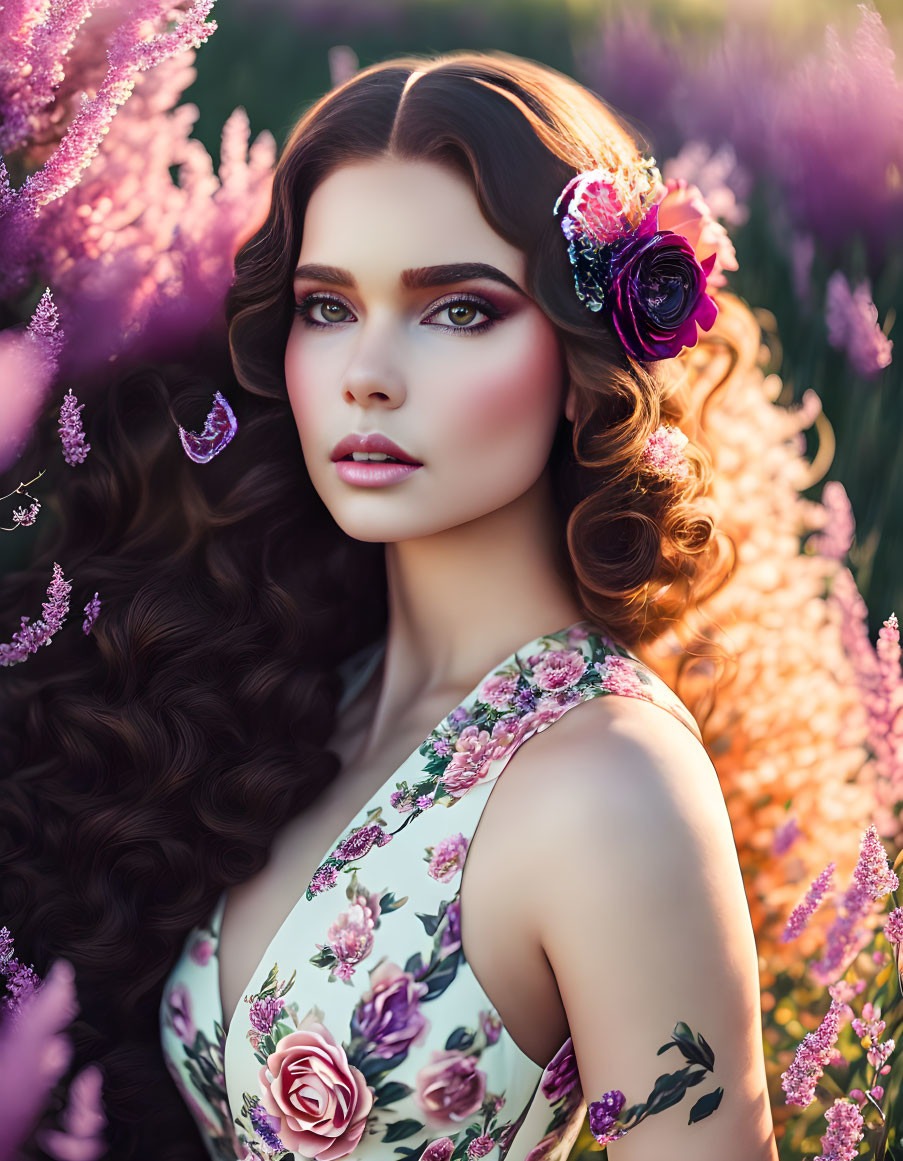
569 403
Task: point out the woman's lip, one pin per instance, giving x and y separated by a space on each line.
373 473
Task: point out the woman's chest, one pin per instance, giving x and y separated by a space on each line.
513 972
256 909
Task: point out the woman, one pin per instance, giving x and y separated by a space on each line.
311 677
410 204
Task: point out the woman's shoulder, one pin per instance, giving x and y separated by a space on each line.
623 746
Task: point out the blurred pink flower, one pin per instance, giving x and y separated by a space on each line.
785 836
836 536
34 1054
721 180
28 366
852 321
137 262
824 126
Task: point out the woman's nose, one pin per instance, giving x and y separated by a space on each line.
373 377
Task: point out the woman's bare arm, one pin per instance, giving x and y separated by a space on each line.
641 911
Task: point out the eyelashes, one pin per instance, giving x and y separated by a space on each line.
303 309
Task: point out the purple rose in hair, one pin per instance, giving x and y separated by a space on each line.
658 291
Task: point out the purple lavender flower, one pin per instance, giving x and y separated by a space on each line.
44 327
265 1126
75 450
29 638
21 980
92 608
801 914
812 1056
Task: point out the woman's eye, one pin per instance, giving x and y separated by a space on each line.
331 310
462 311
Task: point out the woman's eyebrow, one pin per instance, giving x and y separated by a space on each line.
417 278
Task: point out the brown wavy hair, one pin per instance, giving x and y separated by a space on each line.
149 765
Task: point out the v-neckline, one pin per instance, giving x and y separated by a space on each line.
376 796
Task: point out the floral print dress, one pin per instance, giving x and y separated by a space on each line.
363 1032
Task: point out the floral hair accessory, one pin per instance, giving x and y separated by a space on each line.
663 452
648 279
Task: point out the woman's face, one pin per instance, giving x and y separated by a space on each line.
459 368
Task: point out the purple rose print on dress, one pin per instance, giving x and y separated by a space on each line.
561 1076
388 1016
450 939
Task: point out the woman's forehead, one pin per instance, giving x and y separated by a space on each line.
385 216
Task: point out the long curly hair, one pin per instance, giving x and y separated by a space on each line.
149 765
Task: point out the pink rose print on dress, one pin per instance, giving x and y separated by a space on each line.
438 1150
499 691
559 669
474 750
619 676
319 1098
447 857
388 1016
450 1089
351 937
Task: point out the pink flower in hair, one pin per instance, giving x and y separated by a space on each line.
663 452
684 210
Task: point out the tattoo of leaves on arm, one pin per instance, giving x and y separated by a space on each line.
609 1121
